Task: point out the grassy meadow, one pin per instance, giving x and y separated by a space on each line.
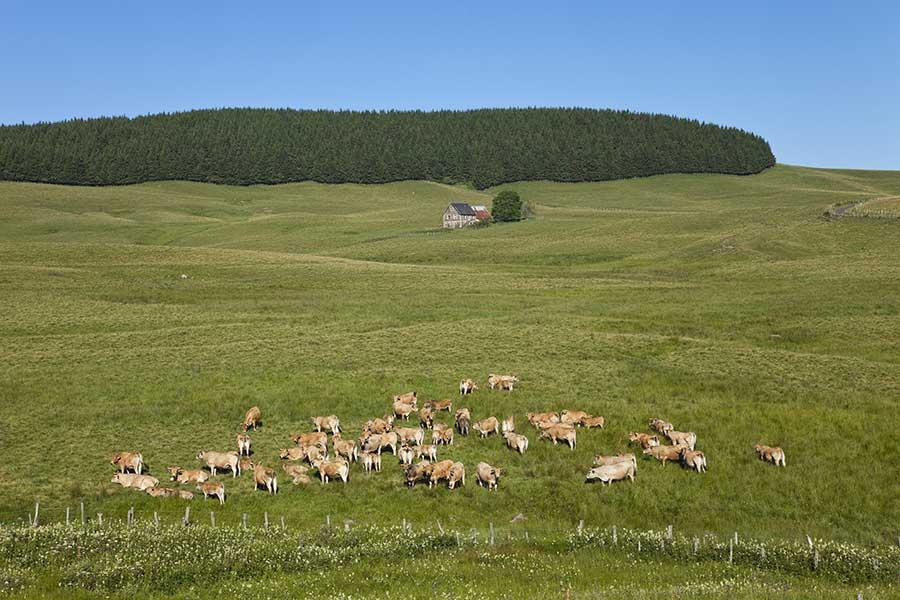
724 304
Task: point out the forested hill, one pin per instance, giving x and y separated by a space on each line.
483 147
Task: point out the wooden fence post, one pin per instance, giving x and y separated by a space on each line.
492 533
731 551
669 532
67 516
441 529
696 545
282 524
639 546
328 520
615 536
82 513
266 519
815 559
100 519
735 538
404 524
580 526
212 518
156 518
245 521
457 539
187 516
662 545
762 554
30 520
37 506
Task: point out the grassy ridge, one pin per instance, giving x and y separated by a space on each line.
723 304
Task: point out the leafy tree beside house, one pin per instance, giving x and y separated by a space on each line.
507 206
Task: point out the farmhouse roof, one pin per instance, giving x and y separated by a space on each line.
463 209
481 212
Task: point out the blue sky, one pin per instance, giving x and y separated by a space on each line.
819 80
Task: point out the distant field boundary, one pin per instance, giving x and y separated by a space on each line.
884 207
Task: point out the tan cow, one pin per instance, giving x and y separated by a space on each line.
379 425
439 471
410 435
297 473
220 460
601 460
187 475
572 417
243 442
467 386
544 417
509 424
439 405
428 450
136 481
426 417
344 448
295 453
216 490
463 419
370 461
328 423
245 463
185 495
660 426
406 455
664 453
589 422
329 470
694 460
609 473
263 477
410 398
457 475
442 436
644 439
487 476
125 461
682 438
487 426
769 454
502 382
416 472
161 492
318 438
560 433
516 442
251 419
379 441
402 411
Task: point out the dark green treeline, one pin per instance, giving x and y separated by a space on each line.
482 147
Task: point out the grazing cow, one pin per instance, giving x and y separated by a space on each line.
593 422
136 481
244 464
410 435
439 405
216 490
572 417
426 417
517 442
329 470
295 453
297 473
406 455
614 472
429 450
692 459
467 386
560 433
402 411
379 441
502 382
330 423
660 426
438 472
509 424
601 460
126 461
221 460
463 418
263 477
416 472
682 438
251 419
457 475
442 436
664 453
487 476
319 438
187 475
770 454
487 426
345 448
545 417
370 461
644 439
243 441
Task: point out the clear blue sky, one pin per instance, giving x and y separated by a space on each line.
819 80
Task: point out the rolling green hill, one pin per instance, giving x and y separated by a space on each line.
724 304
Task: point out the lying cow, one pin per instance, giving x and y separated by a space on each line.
487 476
457 475
770 454
319 438
601 460
216 490
264 477
609 473
560 433
329 423
682 438
161 492
187 475
487 426
572 417
463 418
467 386
329 470
136 481
693 459
370 461
251 419
516 442
220 460
243 442
297 473
660 426
644 439
128 461
545 417
664 453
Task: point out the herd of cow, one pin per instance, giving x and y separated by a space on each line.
408 445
